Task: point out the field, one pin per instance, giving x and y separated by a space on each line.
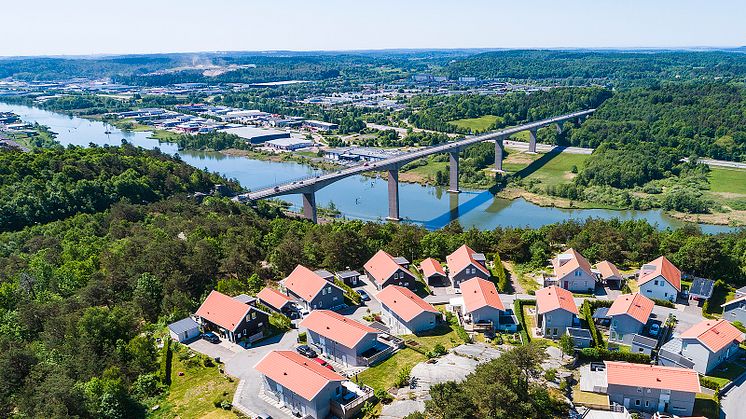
476 124
383 375
556 170
731 181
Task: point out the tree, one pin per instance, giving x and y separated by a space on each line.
448 401
567 344
148 295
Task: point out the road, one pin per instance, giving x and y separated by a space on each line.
720 163
545 148
403 131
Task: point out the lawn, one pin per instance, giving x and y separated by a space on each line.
586 397
383 375
727 371
476 124
705 405
529 318
527 282
192 394
558 169
727 180
444 335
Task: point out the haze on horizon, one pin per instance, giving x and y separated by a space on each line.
86 27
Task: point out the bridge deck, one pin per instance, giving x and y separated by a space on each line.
317 182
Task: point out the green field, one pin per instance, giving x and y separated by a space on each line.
727 180
553 172
476 124
383 375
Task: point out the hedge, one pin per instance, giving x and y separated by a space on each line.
598 339
166 356
518 311
349 293
500 274
709 383
663 303
603 354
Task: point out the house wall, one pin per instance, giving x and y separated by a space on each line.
679 403
663 291
735 312
257 322
185 336
318 408
338 352
329 297
401 277
458 277
578 280
623 326
425 321
555 322
436 279
704 359
486 313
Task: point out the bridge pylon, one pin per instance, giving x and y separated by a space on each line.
453 171
309 206
393 194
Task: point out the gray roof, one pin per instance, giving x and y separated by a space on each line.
578 333
401 260
702 287
347 274
601 313
324 273
675 358
183 325
246 299
644 341
741 290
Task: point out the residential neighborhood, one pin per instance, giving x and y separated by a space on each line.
619 342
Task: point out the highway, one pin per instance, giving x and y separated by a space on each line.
318 182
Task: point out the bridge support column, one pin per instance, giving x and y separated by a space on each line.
499 155
559 127
309 206
453 169
532 141
393 195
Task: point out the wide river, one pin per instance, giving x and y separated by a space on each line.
356 197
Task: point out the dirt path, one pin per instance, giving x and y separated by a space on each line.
517 287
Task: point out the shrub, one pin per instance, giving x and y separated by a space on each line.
518 311
709 383
550 374
302 337
349 293
439 350
663 303
165 368
402 377
383 396
598 339
280 322
603 354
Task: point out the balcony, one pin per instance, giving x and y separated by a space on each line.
351 401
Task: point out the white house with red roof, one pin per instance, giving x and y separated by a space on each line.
433 272
384 270
311 290
308 389
341 339
705 346
464 263
480 303
572 272
643 387
629 313
555 311
231 319
405 313
660 279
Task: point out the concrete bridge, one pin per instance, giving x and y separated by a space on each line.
308 186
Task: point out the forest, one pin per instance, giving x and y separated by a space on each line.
84 291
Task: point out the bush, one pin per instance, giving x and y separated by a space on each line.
439 350
165 368
302 337
349 293
402 377
500 274
709 383
598 339
663 303
280 322
383 396
550 374
518 311
603 354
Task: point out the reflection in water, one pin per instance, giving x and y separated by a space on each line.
356 197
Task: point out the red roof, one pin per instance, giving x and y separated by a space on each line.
478 293
336 327
567 262
381 266
404 302
714 334
305 283
636 305
297 373
273 298
608 270
461 258
652 376
662 267
431 267
554 297
223 310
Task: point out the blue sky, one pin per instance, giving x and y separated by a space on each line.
54 27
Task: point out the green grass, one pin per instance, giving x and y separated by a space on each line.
727 180
444 335
706 405
383 375
586 397
429 170
528 283
727 371
558 170
476 124
192 394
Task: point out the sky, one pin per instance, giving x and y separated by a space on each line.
83 27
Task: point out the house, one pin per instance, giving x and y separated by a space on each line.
643 345
581 338
307 388
311 290
701 289
706 344
555 311
735 310
328 276
405 313
482 304
275 300
383 270
184 330
433 272
231 318
465 263
629 313
660 279
340 339
642 387
609 274
573 272
351 278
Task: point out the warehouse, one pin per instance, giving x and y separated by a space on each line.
257 135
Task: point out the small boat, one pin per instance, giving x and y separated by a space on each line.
107 132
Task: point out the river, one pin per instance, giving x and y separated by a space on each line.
356 197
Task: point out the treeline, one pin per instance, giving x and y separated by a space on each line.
211 141
47 185
618 68
434 111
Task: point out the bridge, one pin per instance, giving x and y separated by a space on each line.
308 186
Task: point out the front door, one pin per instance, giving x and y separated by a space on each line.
626 403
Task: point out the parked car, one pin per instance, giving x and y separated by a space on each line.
306 351
323 363
264 416
655 328
363 295
211 337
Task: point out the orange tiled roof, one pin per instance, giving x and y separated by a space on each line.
636 305
714 334
663 267
431 266
461 258
554 297
404 302
273 298
608 269
478 293
296 373
336 327
652 376
305 283
223 310
381 266
576 260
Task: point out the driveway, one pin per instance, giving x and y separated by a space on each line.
686 317
732 403
223 350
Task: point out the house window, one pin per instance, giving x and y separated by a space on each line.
647 403
639 389
396 275
578 273
656 282
637 402
253 315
